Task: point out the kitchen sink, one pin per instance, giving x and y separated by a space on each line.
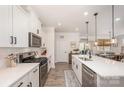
85 59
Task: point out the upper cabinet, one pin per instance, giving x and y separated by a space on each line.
35 24
6 35
20 27
13 27
15 24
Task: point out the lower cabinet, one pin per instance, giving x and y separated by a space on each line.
23 82
29 80
34 77
79 72
77 68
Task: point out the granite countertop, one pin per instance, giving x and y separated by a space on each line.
104 67
10 75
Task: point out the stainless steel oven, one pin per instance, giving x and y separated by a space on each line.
43 74
34 40
29 57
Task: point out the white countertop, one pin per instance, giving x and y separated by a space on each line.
10 75
104 67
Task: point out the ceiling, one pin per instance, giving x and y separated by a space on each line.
72 17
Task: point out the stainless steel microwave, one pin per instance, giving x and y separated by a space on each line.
34 40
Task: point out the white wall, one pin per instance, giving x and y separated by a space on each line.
68 38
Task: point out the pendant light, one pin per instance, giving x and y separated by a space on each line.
87 30
110 39
113 40
87 44
96 43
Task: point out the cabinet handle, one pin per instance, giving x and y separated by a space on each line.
11 41
37 31
30 84
15 40
20 84
77 66
35 70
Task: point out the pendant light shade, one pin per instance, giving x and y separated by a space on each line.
96 43
113 40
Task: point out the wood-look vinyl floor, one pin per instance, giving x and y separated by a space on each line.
56 76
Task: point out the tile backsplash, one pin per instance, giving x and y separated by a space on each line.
4 52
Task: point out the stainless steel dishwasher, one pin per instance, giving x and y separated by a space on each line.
89 77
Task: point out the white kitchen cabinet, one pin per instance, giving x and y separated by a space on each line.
20 27
15 23
39 28
77 68
34 77
5 26
31 79
43 35
13 27
79 71
23 82
34 24
73 64
49 64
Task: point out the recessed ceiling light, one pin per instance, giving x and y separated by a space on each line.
76 29
59 23
117 19
85 13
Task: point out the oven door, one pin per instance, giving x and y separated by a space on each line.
34 40
43 74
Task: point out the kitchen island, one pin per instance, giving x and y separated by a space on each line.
98 71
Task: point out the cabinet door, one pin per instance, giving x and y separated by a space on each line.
79 71
49 63
34 77
73 64
35 24
5 26
77 68
20 27
23 82
38 28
